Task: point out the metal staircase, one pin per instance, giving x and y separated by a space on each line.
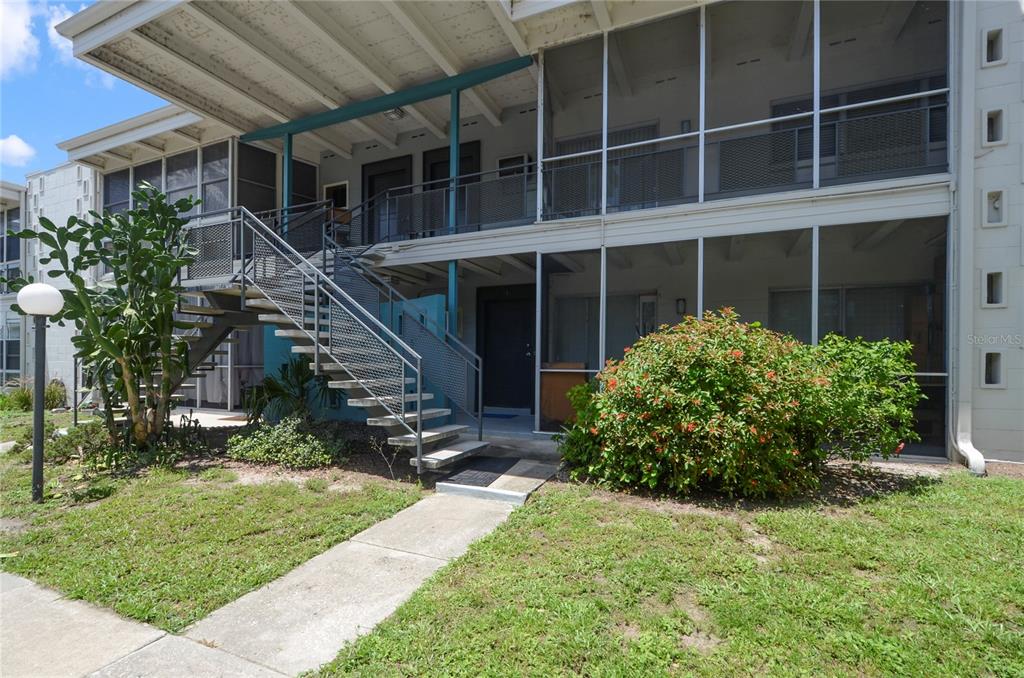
278 268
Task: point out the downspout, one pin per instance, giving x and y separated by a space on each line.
961 298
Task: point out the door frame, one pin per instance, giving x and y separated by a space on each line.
520 292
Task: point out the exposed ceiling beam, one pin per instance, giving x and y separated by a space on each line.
405 275
159 40
219 18
735 252
602 14
118 155
674 254
875 237
514 261
191 138
426 36
149 145
801 32
800 243
896 17
431 269
98 163
316 21
510 30
480 268
568 261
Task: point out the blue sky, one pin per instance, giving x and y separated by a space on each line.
46 95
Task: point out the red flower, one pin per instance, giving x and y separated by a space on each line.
638 392
612 383
736 353
770 374
690 427
621 415
593 429
762 439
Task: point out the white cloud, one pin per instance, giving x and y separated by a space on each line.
14 151
61 46
19 48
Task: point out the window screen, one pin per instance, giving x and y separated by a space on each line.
116 191
215 177
257 178
181 176
150 173
303 182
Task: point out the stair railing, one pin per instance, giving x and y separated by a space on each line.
374 356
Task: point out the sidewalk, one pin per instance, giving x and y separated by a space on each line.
293 624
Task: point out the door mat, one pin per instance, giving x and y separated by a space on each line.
480 471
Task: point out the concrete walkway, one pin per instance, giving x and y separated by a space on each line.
293 624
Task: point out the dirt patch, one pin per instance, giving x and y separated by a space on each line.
338 479
1004 469
628 631
701 642
12 526
758 541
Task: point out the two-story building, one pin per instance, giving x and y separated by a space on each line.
551 180
12 263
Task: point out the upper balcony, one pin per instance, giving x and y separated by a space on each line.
715 103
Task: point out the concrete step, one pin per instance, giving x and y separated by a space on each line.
392 420
193 324
514 486
278 319
264 304
372 402
299 335
352 384
430 436
231 290
449 454
195 309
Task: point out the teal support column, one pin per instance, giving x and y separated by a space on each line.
453 207
286 177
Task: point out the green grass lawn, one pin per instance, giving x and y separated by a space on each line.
16 424
169 547
926 580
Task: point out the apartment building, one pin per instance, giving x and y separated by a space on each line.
12 329
541 183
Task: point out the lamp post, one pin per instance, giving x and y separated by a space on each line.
40 301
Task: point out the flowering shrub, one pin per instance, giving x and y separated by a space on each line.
734 407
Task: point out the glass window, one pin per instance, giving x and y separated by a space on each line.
12 250
12 350
338 193
215 177
116 191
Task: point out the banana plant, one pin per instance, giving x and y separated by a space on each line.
125 318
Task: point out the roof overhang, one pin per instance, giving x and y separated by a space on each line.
251 64
10 194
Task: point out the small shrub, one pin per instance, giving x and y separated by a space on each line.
5 402
288 443
88 442
55 395
316 484
20 398
733 407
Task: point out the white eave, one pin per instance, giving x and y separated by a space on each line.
10 194
249 64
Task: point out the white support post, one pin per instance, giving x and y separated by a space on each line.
540 142
816 132
231 377
604 146
602 306
814 285
538 296
700 277
701 119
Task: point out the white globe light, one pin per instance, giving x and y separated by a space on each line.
40 299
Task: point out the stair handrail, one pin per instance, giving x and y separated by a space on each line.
345 303
468 355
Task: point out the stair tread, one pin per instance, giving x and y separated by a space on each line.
194 309
393 420
354 384
449 454
429 435
370 401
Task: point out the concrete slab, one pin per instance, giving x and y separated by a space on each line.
7 445
439 526
9 582
300 621
43 634
177 657
514 486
